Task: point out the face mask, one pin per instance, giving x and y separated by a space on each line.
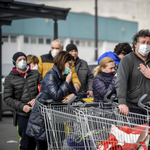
21 64
144 49
35 67
54 53
67 70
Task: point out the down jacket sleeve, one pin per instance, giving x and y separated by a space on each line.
9 96
52 88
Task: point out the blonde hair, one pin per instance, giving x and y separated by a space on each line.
103 63
32 59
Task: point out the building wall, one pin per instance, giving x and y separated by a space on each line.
131 10
26 35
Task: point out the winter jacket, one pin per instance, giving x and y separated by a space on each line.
131 84
113 56
13 87
102 83
84 74
53 87
46 63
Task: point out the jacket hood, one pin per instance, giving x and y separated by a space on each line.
110 54
23 74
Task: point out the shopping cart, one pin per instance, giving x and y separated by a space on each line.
61 125
85 127
104 129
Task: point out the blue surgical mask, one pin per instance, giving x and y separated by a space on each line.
67 70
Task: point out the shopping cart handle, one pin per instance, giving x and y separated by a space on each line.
95 104
73 99
111 98
140 104
38 96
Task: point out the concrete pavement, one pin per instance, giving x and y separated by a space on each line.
9 139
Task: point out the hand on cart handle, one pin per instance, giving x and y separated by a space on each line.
124 109
90 93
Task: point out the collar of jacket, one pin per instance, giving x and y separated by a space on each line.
58 71
148 59
23 74
50 55
107 74
77 59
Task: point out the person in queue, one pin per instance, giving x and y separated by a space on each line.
120 50
33 61
56 85
83 71
104 80
46 62
132 81
20 90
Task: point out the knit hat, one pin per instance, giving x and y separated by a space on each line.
70 47
16 55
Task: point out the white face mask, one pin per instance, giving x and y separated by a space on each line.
54 53
35 67
144 49
21 64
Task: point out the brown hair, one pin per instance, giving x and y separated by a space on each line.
32 59
61 58
103 63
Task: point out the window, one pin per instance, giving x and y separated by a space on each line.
26 39
33 40
83 43
13 39
89 43
41 41
77 43
48 41
5 38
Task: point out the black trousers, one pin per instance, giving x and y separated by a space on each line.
26 142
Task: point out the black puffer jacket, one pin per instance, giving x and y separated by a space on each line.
53 87
13 87
84 74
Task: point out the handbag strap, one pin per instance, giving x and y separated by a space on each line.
23 88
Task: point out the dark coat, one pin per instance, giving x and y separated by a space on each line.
84 74
53 87
102 83
13 87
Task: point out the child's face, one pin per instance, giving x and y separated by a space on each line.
32 65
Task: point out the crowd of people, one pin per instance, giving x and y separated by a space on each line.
62 74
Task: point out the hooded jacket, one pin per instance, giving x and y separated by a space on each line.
13 87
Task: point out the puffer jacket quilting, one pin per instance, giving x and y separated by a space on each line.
13 87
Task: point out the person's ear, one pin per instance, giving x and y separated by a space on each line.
102 69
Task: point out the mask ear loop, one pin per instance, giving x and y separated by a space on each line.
14 62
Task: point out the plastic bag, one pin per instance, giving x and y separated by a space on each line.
126 138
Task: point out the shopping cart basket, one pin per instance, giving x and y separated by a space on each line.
62 125
110 129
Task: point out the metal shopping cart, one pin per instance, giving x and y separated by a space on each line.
104 129
86 127
61 125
